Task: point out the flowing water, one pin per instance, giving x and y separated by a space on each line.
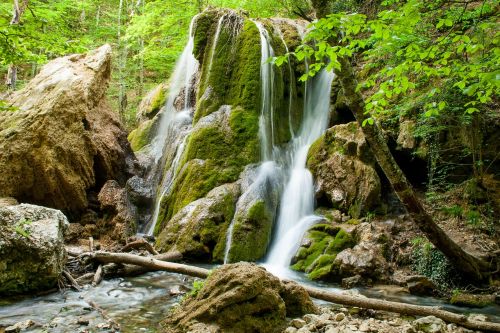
175 125
138 304
297 202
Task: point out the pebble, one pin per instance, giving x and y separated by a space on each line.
339 316
298 323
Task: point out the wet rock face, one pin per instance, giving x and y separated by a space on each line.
32 253
343 168
242 298
63 140
255 213
198 230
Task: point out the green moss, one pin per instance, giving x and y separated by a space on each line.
244 90
158 101
353 222
470 300
141 136
251 233
203 29
318 258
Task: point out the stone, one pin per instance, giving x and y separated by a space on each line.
430 324
298 323
240 297
63 141
32 252
420 285
21 326
343 168
152 103
471 300
198 231
351 282
366 259
4 202
255 213
340 316
120 214
140 192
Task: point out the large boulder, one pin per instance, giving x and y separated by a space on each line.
368 257
319 248
32 253
63 141
199 230
343 168
242 298
255 213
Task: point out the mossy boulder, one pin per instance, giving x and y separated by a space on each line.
471 300
142 135
32 252
255 213
319 249
242 298
219 147
198 230
64 141
343 168
152 103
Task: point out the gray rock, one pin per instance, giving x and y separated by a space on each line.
32 253
430 324
420 285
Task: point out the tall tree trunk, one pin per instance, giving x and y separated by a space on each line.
471 266
17 12
122 98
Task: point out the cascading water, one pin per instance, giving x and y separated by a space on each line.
297 202
175 124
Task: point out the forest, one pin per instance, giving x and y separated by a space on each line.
250 166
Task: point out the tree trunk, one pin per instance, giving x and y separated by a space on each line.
471 266
17 12
362 302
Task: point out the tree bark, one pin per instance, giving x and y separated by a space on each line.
151 263
17 12
348 300
466 263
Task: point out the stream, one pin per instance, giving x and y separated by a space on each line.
139 303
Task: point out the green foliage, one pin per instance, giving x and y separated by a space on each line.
21 229
414 45
430 262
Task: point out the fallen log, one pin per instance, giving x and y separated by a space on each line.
348 300
148 262
97 277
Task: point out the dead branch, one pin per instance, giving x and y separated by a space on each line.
139 244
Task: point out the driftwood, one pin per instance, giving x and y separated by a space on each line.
97 276
104 314
71 280
148 262
361 302
139 244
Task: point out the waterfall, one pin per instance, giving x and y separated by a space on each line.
175 125
297 202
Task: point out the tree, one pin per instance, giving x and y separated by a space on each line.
428 43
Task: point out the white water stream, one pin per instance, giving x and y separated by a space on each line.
175 125
297 201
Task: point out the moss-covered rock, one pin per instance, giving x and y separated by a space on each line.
470 300
255 213
198 230
152 103
319 249
343 167
242 298
32 252
142 135
63 141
